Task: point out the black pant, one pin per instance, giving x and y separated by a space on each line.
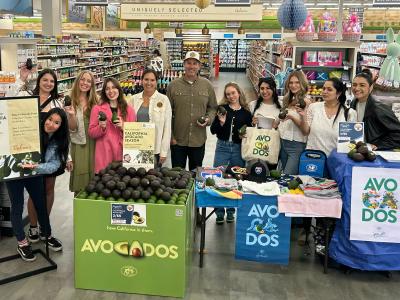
35 188
179 155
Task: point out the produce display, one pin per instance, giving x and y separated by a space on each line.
158 186
360 152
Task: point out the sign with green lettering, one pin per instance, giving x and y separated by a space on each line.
375 204
133 247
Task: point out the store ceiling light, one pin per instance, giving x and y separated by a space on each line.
147 29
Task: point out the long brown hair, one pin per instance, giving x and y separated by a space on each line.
289 96
121 102
242 97
91 94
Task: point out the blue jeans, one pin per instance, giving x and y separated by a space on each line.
227 154
290 156
35 188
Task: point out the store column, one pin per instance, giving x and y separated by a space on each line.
51 17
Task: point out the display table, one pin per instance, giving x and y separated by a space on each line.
361 255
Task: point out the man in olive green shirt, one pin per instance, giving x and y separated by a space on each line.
192 97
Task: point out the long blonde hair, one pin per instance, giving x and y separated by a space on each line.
289 96
91 94
242 97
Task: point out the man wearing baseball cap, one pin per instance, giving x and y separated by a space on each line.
194 105
192 97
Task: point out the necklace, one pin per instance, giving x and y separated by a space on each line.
235 108
331 110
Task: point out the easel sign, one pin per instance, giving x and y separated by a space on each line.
138 146
19 136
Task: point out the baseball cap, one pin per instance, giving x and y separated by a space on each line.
258 171
192 54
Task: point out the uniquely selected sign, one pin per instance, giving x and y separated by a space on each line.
262 233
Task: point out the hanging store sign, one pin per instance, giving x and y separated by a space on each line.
232 2
189 12
386 3
91 2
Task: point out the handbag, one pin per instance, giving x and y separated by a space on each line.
263 144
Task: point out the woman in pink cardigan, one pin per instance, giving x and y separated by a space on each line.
109 133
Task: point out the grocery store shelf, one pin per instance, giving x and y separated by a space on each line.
274 64
56 55
68 78
110 75
370 66
370 53
89 66
56 44
114 46
62 67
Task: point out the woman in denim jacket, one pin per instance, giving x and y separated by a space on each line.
55 144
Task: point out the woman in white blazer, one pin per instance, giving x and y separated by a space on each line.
154 107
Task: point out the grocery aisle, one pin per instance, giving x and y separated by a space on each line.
222 277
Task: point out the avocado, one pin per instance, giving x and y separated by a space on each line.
145 195
122 171
165 196
126 179
221 110
99 187
363 149
180 184
135 195
126 194
283 113
102 172
151 172
136 249
167 182
121 186
122 248
144 182
112 172
102 116
371 156
141 172
360 143
139 188
357 157
242 130
132 171
173 174
293 184
150 190
202 120
116 164
155 184
158 192
106 193
115 118
302 103
160 201
116 194
210 182
105 178
170 190
67 101
275 174
110 199
351 153
134 182
90 188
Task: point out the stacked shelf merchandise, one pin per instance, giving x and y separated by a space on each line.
92 59
60 55
174 49
147 48
201 44
14 53
323 60
256 65
372 56
243 54
233 54
227 55
116 63
278 56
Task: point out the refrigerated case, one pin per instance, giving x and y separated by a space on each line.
233 54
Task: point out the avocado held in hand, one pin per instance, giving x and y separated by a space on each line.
283 113
102 116
202 120
221 110
114 118
242 130
67 101
302 103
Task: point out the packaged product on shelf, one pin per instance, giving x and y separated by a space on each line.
327 28
305 33
351 28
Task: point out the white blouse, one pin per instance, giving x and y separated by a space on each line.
289 130
323 132
265 110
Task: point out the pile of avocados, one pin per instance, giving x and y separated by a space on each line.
157 186
360 152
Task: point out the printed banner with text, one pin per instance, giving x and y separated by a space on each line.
139 139
19 136
374 205
262 233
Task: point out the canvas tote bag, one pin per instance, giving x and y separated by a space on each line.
261 144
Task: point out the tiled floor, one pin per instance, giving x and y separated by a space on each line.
222 277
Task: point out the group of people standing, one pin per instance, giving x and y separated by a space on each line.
77 139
